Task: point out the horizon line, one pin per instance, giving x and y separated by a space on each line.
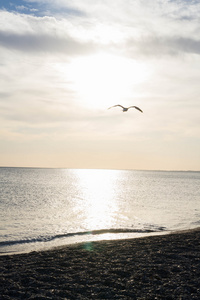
112 169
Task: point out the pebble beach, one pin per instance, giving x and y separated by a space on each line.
155 267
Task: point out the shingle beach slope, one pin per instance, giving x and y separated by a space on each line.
156 267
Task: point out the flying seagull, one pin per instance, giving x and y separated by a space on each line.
126 108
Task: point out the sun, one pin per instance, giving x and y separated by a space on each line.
103 79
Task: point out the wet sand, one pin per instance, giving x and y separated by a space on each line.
156 267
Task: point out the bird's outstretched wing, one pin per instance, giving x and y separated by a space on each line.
136 108
115 106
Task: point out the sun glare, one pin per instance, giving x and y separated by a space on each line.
101 80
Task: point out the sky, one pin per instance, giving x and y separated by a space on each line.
64 63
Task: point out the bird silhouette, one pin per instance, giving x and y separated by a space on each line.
126 108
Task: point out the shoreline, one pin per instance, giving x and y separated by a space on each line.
106 235
111 235
160 266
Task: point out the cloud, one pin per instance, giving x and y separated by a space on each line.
40 8
44 43
162 46
187 45
141 28
35 34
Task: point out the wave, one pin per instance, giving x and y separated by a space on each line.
45 239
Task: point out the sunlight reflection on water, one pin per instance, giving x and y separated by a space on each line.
98 198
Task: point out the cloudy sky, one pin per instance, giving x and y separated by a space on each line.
63 63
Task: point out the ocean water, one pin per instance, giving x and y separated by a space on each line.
43 208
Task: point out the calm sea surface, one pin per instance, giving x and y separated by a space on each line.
43 208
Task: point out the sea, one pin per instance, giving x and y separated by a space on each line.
44 208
